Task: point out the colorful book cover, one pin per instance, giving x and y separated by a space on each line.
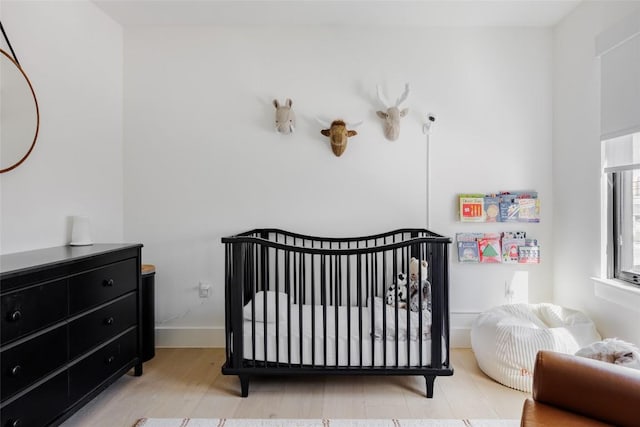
510 250
489 248
492 208
528 210
468 251
529 254
519 206
509 210
472 208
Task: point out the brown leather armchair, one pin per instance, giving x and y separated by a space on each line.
575 391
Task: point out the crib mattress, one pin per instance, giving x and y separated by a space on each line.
335 336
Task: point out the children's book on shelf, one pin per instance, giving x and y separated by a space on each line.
509 247
472 208
520 206
529 254
529 210
507 206
468 252
468 247
492 208
489 248
510 250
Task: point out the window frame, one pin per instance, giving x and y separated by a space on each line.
615 208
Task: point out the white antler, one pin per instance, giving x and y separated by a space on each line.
384 102
404 96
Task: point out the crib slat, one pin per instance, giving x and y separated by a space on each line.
236 301
228 256
331 293
278 308
335 309
300 315
323 288
359 292
349 309
408 311
395 311
366 269
436 310
296 288
419 325
445 303
371 281
257 271
385 286
313 314
249 274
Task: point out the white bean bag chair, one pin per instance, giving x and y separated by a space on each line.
506 339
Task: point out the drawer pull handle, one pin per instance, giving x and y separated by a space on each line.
109 360
14 423
108 283
108 321
15 371
15 316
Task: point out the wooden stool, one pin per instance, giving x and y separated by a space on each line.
148 272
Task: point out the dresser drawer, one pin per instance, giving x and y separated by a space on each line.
40 406
33 308
90 330
100 285
104 362
24 364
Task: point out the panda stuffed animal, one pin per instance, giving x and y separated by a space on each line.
401 285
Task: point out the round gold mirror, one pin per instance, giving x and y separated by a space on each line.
19 114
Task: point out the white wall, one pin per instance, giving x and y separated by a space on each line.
72 53
576 167
202 160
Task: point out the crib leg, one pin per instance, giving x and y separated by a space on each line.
244 385
430 379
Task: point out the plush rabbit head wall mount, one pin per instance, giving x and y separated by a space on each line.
338 134
392 114
285 117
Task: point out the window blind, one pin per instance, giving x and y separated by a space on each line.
622 153
619 51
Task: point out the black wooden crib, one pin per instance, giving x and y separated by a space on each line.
298 305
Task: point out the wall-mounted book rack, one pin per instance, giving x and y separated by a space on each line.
506 206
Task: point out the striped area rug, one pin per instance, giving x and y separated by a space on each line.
224 422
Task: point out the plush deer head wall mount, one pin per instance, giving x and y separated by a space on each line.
285 117
392 114
338 134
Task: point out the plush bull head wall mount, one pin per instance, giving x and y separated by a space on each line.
338 134
285 117
392 114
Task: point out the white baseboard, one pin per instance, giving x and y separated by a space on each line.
461 329
189 336
213 336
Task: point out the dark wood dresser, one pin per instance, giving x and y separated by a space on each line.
71 325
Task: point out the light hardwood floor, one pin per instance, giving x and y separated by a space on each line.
187 383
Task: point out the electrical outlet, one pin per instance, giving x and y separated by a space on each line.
204 289
508 292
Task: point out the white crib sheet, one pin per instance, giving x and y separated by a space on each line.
308 343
